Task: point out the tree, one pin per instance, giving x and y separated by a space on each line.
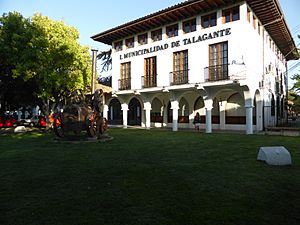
44 53
15 49
105 57
294 95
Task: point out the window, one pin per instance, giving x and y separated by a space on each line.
189 26
209 20
143 39
248 14
172 31
129 42
218 61
254 22
230 15
119 45
150 72
180 67
125 76
156 35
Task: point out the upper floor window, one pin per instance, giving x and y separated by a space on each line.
150 72
180 67
172 31
254 22
156 35
119 45
125 76
248 14
218 61
129 42
209 20
143 39
189 26
258 27
230 15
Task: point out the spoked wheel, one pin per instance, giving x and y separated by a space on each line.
57 125
91 124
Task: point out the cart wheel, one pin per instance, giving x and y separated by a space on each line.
91 124
57 125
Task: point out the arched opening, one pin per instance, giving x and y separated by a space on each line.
115 114
183 113
215 112
235 110
200 108
157 111
134 112
170 113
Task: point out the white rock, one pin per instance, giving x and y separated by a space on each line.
275 155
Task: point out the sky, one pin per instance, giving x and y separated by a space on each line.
94 16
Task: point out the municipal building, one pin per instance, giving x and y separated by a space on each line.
225 59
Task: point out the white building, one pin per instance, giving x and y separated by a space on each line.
226 61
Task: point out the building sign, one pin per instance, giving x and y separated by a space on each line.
185 41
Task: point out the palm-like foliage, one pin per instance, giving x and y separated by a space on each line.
105 56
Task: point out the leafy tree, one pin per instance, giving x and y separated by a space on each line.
15 49
294 94
44 56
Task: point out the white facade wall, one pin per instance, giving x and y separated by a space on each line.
249 57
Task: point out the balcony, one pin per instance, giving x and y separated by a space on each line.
149 81
125 84
179 77
216 73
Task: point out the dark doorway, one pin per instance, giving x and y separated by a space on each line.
134 113
115 113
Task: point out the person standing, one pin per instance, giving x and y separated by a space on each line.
196 121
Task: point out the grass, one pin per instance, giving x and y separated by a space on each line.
147 177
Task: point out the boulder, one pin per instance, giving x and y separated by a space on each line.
20 129
275 155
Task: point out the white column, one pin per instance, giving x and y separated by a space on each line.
208 107
105 111
125 113
222 107
147 108
175 108
249 119
112 113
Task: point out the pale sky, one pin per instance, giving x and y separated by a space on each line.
94 16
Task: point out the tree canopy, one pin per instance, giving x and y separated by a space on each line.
40 60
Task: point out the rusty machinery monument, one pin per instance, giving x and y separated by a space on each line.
81 114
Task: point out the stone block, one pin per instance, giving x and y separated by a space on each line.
275 155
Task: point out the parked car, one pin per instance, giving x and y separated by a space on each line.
34 121
7 121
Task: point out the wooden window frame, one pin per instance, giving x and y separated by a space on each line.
173 30
248 14
254 21
125 76
229 15
180 67
129 42
118 46
218 61
156 35
211 20
150 71
143 39
189 26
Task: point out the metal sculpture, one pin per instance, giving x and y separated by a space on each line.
81 114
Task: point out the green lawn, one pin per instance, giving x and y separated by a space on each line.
147 177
